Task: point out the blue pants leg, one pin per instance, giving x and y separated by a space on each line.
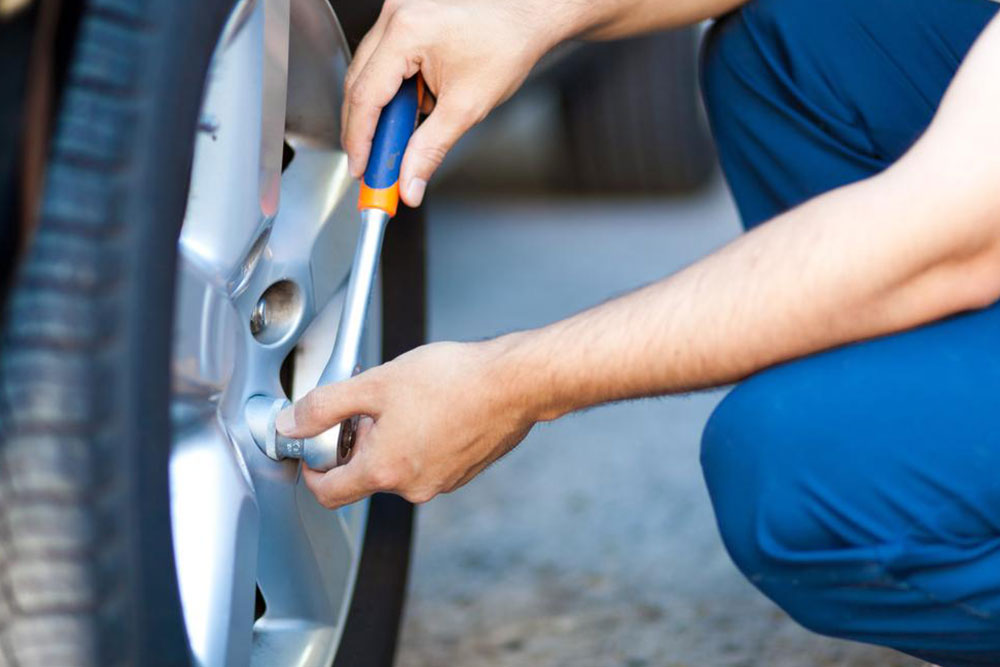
858 488
808 95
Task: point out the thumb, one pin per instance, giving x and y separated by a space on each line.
430 143
325 407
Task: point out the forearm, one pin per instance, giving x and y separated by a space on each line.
916 243
611 19
842 268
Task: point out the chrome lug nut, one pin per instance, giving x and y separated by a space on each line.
322 452
261 414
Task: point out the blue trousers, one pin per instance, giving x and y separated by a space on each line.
858 488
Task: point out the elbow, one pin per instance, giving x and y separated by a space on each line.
980 282
970 280
960 253
978 267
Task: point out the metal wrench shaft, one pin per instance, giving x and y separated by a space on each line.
334 446
346 351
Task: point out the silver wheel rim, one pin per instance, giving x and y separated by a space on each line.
263 255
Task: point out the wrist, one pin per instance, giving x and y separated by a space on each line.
563 20
524 376
590 20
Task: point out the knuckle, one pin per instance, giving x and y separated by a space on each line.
467 111
327 500
370 384
385 476
408 16
357 95
419 496
310 407
433 154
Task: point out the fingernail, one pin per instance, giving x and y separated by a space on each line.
415 191
285 421
352 167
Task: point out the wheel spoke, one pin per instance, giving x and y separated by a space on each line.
206 336
306 564
215 526
318 225
236 174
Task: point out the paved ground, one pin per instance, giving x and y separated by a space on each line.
593 544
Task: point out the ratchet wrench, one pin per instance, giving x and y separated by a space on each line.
378 202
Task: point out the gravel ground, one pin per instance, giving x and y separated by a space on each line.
594 542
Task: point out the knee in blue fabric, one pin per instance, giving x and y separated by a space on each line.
831 500
751 465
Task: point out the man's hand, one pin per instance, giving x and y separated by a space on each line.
473 54
436 417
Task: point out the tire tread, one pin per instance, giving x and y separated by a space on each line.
62 599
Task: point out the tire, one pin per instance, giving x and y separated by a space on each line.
88 574
633 117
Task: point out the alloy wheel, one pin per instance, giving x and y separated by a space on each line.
264 251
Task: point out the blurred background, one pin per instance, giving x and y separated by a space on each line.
594 542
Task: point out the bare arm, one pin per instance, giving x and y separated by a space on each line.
916 243
474 54
621 18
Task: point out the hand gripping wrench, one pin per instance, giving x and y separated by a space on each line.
378 202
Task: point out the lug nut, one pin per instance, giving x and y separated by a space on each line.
261 413
322 452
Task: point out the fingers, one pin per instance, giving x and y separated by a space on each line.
326 406
470 475
430 144
375 86
362 54
359 478
390 53
340 486
367 46
371 92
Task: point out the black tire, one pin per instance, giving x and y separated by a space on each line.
87 575
633 117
